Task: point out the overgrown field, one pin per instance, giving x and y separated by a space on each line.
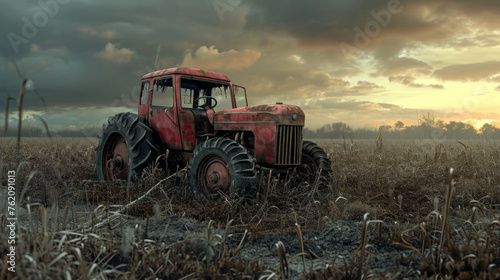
73 226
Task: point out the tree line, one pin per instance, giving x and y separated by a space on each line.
427 128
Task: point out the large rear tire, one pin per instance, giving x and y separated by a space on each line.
221 165
315 162
125 148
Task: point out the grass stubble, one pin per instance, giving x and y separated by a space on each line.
71 216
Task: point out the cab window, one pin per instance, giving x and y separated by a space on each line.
144 93
163 93
193 91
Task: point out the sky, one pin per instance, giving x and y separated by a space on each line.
362 62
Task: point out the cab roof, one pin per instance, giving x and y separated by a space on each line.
187 71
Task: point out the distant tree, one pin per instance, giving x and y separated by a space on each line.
385 128
426 124
428 128
399 125
453 129
333 130
439 124
426 120
487 130
468 131
308 133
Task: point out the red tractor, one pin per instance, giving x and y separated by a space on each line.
205 124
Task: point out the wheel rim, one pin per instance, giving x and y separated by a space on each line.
116 158
213 175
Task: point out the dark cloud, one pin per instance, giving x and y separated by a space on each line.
329 23
410 81
364 86
468 72
403 65
350 105
98 51
93 53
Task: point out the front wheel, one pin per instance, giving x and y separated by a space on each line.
221 165
314 163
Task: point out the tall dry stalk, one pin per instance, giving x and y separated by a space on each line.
362 246
45 125
449 195
360 252
301 244
269 183
284 269
7 114
22 92
20 100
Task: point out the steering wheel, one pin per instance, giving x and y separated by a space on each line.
205 104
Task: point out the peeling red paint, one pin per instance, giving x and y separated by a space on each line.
166 129
187 124
275 113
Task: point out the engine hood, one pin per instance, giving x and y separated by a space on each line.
260 114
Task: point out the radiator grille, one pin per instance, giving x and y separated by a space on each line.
288 145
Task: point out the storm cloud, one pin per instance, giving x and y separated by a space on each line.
86 58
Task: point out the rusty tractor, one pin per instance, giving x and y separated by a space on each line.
203 122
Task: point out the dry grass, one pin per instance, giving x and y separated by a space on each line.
50 252
403 180
396 181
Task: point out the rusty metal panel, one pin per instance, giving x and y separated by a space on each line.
267 122
278 114
264 146
166 128
186 120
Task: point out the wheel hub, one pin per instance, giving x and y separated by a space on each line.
214 175
117 158
115 163
213 178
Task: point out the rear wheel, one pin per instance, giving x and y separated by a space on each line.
315 162
125 148
221 165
